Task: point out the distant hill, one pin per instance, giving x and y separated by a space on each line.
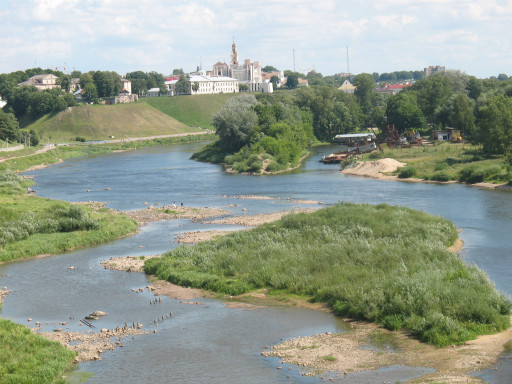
98 122
194 111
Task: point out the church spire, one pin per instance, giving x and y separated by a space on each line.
234 55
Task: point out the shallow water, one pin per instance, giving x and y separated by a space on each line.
210 343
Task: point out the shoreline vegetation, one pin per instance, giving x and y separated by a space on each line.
383 264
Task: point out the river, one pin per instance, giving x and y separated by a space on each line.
210 343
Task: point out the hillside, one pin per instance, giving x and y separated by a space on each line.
98 122
194 111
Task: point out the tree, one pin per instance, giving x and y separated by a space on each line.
404 113
364 93
139 86
458 113
195 86
163 89
107 83
235 121
292 81
65 82
495 125
9 126
243 87
91 93
433 91
178 72
274 80
269 68
502 77
474 87
183 86
86 78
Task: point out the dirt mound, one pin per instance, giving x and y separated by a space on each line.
374 168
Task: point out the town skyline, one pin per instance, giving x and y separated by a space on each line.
125 36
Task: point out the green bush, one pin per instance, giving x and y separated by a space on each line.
407 172
440 176
478 173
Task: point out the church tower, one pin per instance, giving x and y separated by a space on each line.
234 56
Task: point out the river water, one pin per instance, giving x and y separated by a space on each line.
210 343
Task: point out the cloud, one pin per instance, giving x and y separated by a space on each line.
127 35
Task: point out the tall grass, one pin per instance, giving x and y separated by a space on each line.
380 263
31 226
29 358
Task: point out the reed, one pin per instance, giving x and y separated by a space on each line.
381 263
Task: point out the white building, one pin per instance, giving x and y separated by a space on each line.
42 82
206 85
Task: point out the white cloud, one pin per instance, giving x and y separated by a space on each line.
126 35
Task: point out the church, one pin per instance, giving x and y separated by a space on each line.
247 73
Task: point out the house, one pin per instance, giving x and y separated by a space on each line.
347 87
392 89
41 82
207 85
155 92
126 86
220 69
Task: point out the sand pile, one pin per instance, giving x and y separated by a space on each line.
374 168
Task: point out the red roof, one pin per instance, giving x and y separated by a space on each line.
172 78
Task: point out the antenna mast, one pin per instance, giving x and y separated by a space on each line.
348 67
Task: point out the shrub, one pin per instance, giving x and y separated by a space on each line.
440 176
407 172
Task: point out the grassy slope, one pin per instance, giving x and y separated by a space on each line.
380 263
194 111
98 122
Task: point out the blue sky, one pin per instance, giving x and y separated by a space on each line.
382 36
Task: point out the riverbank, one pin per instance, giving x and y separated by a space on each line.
383 169
367 347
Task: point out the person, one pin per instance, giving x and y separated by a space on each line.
174 204
181 205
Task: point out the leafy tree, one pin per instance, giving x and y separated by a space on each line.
75 74
65 82
502 77
9 126
474 87
458 113
178 72
235 121
269 68
243 87
292 81
107 83
163 89
496 125
139 86
91 93
195 86
433 91
183 86
364 93
274 80
86 78
403 111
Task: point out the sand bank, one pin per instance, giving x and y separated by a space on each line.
374 169
144 216
349 352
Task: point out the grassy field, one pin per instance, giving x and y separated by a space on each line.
193 111
29 358
98 122
447 161
384 264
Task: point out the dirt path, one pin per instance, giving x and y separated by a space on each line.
42 150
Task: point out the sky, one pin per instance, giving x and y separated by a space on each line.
302 35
